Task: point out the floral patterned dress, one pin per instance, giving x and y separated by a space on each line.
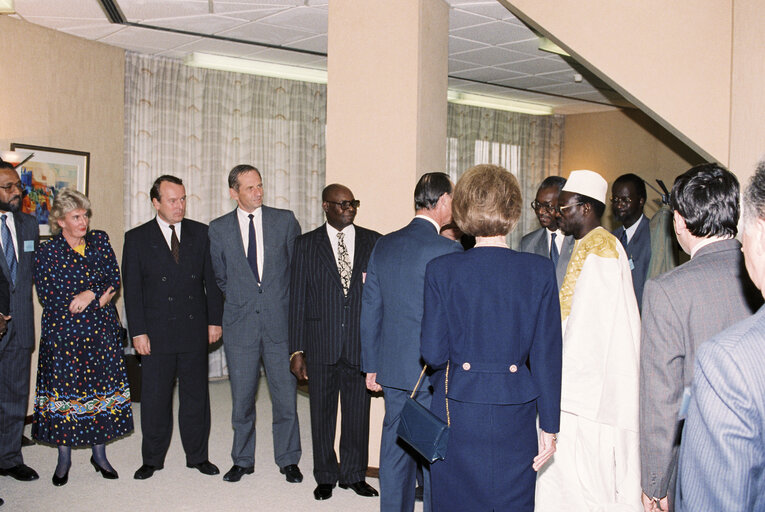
82 396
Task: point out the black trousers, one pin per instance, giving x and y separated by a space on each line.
158 373
325 382
14 399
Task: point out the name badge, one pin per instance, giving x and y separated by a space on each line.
684 404
29 246
632 264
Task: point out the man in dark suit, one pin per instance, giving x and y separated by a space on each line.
723 449
391 314
328 270
251 250
549 241
628 197
174 310
684 308
19 241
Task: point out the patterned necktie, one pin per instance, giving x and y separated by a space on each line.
343 263
252 250
175 244
10 252
554 249
623 238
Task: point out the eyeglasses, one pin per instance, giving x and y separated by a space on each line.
536 206
626 201
9 186
345 205
560 209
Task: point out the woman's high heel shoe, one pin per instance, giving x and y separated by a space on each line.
59 481
109 475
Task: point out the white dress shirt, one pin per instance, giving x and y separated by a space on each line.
631 230
244 228
558 239
167 232
12 228
349 239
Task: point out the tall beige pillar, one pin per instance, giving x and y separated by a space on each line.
386 112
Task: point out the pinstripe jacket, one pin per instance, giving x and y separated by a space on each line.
681 309
722 456
323 322
21 330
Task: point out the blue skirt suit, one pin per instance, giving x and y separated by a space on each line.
494 315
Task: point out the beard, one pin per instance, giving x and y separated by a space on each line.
13 206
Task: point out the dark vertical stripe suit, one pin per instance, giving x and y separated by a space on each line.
18 343
324 324
172 303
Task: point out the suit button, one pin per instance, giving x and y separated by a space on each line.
342 325
260 290
191 297
193 276
466 366
170 299
191 317
164 278
257 311
513 368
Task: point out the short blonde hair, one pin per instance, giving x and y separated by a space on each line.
487 201
67 200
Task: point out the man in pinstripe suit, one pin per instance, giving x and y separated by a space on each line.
683 308
722 456
328 269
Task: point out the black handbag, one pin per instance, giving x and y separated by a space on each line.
423 430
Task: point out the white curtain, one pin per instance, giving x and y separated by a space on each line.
198 123
528 146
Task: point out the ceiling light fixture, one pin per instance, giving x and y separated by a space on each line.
6 7
479 100
548 46
254 67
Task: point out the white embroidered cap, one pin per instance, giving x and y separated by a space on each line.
587 183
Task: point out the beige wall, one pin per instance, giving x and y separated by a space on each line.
64 92
618 142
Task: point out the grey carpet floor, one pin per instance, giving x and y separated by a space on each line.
177 488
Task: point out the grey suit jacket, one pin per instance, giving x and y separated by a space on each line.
21 329
681 309
251 312
722 456
536 243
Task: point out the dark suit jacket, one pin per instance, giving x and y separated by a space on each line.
171 302
21 329
324 323
391 309
5 294
249 311
536 243
491 311
639 252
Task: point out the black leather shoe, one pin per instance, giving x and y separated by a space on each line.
145 472
361 488
109 475
20 472
323 492
206 467
292 472
58 481
237 472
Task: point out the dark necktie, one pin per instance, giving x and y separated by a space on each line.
623 238
252 250
10 252
554 249
175 244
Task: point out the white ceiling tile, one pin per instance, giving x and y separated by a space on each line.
536 66
529 46
456 66
460 19
315 43
527 82
216 47
490 56
95 32
62 23
491 9
146 38
249 13
285 57
494 33
302 18
140 10
59 9
264 33
207 24
487 74
457 45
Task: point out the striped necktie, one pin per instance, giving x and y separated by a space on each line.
10 251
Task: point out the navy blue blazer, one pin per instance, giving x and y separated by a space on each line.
494 314
639 252
391 305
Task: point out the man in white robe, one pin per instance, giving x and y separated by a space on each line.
597 463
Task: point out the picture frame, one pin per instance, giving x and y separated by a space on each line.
47 172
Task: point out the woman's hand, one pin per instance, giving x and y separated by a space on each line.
547 444
81 301
106 297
